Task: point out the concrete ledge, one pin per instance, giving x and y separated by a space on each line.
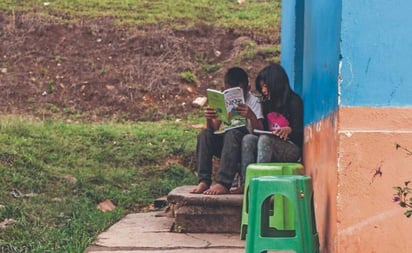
199 213
183 196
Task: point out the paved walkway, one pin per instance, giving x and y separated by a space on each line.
150 232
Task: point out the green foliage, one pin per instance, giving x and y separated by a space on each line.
207 65
403 194
403 198
55 173
260 16
210 68
51 86
249 50
270 53
188 76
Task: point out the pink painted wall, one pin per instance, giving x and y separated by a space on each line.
320 160
353 203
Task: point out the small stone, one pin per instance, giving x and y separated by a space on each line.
200 101
70 179
199 126
7 222
106 206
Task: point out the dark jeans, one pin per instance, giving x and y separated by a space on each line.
227 147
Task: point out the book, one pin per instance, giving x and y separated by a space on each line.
257 131
225 103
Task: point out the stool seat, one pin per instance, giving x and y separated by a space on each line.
281 207
303 238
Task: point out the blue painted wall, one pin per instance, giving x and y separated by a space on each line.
310 53
377 53
365 43
292 41
321 58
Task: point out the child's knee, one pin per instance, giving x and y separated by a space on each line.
234 135
249 140
204 134
265 140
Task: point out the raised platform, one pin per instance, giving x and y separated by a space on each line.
199 213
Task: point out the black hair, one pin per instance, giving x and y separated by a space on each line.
236 76
277 81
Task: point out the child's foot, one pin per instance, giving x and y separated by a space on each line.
237 190
200 188
216 189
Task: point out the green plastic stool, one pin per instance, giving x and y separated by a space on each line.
281 207
261 237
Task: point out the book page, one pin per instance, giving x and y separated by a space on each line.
225 104
233 97
216 100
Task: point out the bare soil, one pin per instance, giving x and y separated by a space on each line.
93 70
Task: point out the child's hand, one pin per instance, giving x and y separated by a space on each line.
282 132
244 110
210 113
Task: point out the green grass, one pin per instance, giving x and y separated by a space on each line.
259 16
120 162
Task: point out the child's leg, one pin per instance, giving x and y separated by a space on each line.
274 149
249 152
208 145
229 161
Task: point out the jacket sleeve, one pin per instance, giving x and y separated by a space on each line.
296 120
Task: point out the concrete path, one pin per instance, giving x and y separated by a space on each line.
150 232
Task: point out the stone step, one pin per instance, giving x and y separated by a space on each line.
199 213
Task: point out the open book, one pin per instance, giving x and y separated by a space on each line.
257 131
225 103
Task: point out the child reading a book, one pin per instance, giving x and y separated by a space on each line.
283 111
226 145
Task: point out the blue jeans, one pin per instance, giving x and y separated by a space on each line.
227 147
267 148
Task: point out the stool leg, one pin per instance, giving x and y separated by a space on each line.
252 171
310 235
283 214
297 189
260 237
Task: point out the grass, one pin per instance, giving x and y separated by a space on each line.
63 170
258 16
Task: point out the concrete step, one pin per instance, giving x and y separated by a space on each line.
150 232
199 213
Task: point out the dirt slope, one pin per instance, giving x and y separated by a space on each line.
94 70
